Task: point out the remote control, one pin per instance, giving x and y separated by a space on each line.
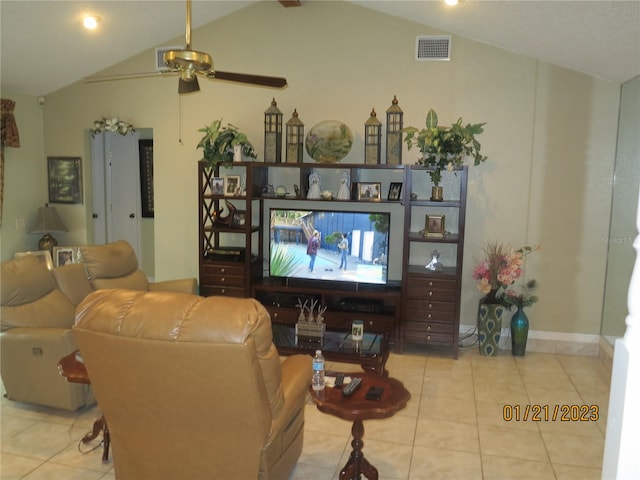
351 387
339 380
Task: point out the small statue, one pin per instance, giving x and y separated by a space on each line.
314 186
434 264
344 193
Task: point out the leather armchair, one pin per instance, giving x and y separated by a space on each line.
36 320
115 265
192 387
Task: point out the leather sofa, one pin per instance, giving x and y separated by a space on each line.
192 387
38 311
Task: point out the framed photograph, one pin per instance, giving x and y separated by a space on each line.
217 185
145 148
434 225
65 255
369 191
239 218
232 185
395 188
43 255
65 179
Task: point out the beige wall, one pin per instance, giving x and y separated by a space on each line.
550 134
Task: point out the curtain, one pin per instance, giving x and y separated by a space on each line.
8 136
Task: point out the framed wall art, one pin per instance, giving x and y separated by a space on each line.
43 256
369 191
395 188
145 148
217 185
65 179
65 255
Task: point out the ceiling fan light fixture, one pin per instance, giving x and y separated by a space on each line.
91 22
188 86
200 61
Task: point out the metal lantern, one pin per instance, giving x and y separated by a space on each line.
394 133
273 134
372 139
295 139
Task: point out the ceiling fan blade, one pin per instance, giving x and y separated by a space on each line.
188 86
128 76
274 82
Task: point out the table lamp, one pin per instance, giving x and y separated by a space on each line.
48 221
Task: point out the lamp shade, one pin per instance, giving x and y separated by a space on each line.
48 221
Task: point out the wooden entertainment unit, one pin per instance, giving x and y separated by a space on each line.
423 307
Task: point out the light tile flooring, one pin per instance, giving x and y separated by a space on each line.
452 428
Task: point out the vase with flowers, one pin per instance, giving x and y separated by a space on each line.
519 321
444 148
501 267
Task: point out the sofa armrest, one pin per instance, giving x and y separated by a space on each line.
296 378
183 285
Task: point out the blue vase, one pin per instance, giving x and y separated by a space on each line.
490 312
519 332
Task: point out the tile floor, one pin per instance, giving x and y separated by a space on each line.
452 428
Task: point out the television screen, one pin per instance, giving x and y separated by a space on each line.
338 246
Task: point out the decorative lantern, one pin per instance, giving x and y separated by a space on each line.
273 134
295 139
394 133
372 139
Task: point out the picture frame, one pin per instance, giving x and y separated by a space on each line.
232 186
239 218
217 185
395 189
145 149
368 191
434 226
65 256
64 176
43 256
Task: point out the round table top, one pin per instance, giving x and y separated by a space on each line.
356 407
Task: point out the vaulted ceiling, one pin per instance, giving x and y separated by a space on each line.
44 47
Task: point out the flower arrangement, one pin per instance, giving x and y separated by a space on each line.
501 267
525 298
218 142
112 125
445 147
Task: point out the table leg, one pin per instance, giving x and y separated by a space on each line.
357 464
100 425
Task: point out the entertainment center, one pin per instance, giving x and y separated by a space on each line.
253 244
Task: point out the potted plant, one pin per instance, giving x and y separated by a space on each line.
444 147
220 143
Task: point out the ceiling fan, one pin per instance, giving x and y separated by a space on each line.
190 63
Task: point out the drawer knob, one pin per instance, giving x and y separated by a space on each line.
275 315
430 306
431 284
430 293
371 323
222 270
428 337
223 291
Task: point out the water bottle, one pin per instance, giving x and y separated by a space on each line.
317 380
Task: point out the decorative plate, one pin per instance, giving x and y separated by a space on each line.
329 141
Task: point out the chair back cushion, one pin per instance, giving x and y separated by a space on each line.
188 385
113 265
30 297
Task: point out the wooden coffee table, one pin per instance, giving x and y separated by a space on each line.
357 408
74 371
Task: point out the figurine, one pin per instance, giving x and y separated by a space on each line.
344 193
314 185
434 264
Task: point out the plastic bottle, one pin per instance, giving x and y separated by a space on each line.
317 380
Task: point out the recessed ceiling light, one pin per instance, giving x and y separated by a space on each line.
451 2
91 21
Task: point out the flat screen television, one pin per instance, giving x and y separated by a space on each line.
352 247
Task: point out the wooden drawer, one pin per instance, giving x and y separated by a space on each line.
223 280
440 334
425 311
222 269
210 290
282 315
441 290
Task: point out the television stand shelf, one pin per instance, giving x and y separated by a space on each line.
377 306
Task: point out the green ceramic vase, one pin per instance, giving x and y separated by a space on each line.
519 332
490 313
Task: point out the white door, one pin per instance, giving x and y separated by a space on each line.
121 184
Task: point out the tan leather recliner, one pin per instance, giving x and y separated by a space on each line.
36 332
115 265
192 387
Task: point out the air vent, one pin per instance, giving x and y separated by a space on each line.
160 57
433 48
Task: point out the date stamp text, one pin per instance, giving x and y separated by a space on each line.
550 413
